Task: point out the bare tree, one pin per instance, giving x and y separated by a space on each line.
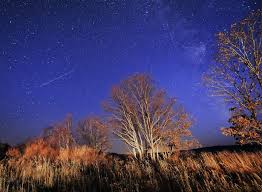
237 77
60 135
93 131
144 116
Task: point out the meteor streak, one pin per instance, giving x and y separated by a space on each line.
57 78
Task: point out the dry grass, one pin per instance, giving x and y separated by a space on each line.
42 168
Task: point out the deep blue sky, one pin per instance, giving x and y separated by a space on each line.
60 56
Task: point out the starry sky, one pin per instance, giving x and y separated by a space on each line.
63 56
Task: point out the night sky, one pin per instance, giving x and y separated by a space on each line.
60 56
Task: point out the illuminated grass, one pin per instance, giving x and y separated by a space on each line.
83 169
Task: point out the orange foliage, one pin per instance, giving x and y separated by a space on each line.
237 77
244 129
39 148
13 153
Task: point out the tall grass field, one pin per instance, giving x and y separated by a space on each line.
40 168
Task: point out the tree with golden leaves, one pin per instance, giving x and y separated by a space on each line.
144 117
93 132
237 77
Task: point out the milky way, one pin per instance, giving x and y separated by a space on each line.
60 57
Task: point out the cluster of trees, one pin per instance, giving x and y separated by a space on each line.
148 121
92 132
237 77
139 113
145 118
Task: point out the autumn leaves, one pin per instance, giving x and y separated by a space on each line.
237 77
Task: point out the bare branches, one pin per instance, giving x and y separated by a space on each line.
60 135
144 117
93 132
237 75
242 44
